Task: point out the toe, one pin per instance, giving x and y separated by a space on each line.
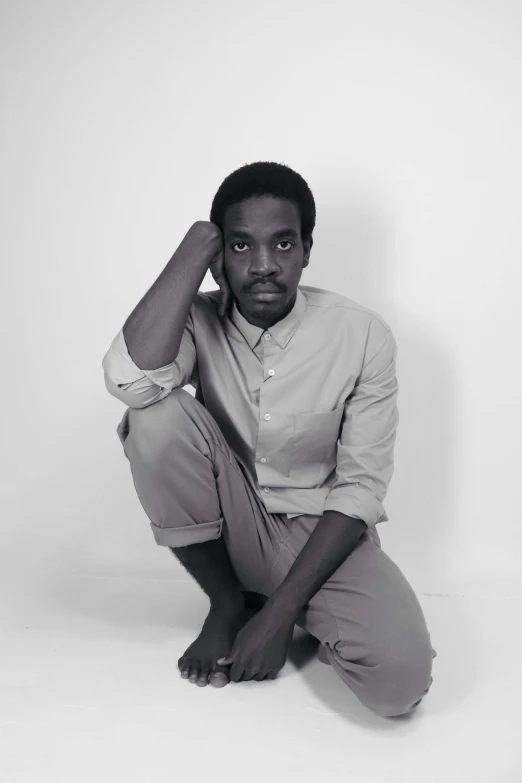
219 678
203 678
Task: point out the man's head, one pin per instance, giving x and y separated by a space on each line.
266 213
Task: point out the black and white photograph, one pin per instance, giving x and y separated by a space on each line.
261 397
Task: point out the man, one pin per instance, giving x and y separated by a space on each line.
270 480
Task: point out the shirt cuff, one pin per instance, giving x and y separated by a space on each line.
356 502
122 370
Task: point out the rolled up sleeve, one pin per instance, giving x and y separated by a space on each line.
139 388
365 452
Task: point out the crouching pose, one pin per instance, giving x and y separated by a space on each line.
269 482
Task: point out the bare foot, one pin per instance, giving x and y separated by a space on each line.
198 663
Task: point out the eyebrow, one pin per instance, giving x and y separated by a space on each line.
245 235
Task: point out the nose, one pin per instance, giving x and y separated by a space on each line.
263 264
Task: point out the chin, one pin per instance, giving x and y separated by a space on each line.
270 307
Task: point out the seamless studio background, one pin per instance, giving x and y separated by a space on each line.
119 122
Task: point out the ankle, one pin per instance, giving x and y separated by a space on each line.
229 605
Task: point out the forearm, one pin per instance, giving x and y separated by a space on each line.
329 545
154 329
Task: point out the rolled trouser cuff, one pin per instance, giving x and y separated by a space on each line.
197 533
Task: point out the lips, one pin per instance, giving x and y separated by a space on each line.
264 290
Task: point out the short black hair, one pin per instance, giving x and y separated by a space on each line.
264 178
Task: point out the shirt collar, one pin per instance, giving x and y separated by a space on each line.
281 332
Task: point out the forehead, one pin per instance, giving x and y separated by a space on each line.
261 212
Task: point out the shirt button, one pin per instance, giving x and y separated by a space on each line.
271 372
263 459
267 416
267 489
267 337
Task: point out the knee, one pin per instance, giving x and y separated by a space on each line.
152 429
398 683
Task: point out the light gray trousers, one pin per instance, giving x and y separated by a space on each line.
192 489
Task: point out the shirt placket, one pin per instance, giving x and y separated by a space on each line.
266 420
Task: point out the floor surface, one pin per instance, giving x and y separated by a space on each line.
90 691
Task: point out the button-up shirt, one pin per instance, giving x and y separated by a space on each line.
308 405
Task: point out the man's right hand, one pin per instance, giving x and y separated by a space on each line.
210 235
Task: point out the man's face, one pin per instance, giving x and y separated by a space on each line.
264 251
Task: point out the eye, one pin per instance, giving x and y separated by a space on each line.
287 241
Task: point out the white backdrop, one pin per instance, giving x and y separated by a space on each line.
119 122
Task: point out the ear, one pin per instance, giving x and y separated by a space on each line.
307 250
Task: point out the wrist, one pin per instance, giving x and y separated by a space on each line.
281 608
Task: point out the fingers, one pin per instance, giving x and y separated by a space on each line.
225 301
246 676
229 299
238 673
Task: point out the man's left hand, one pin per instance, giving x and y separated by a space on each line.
261 647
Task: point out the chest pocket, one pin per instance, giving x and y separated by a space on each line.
315 438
